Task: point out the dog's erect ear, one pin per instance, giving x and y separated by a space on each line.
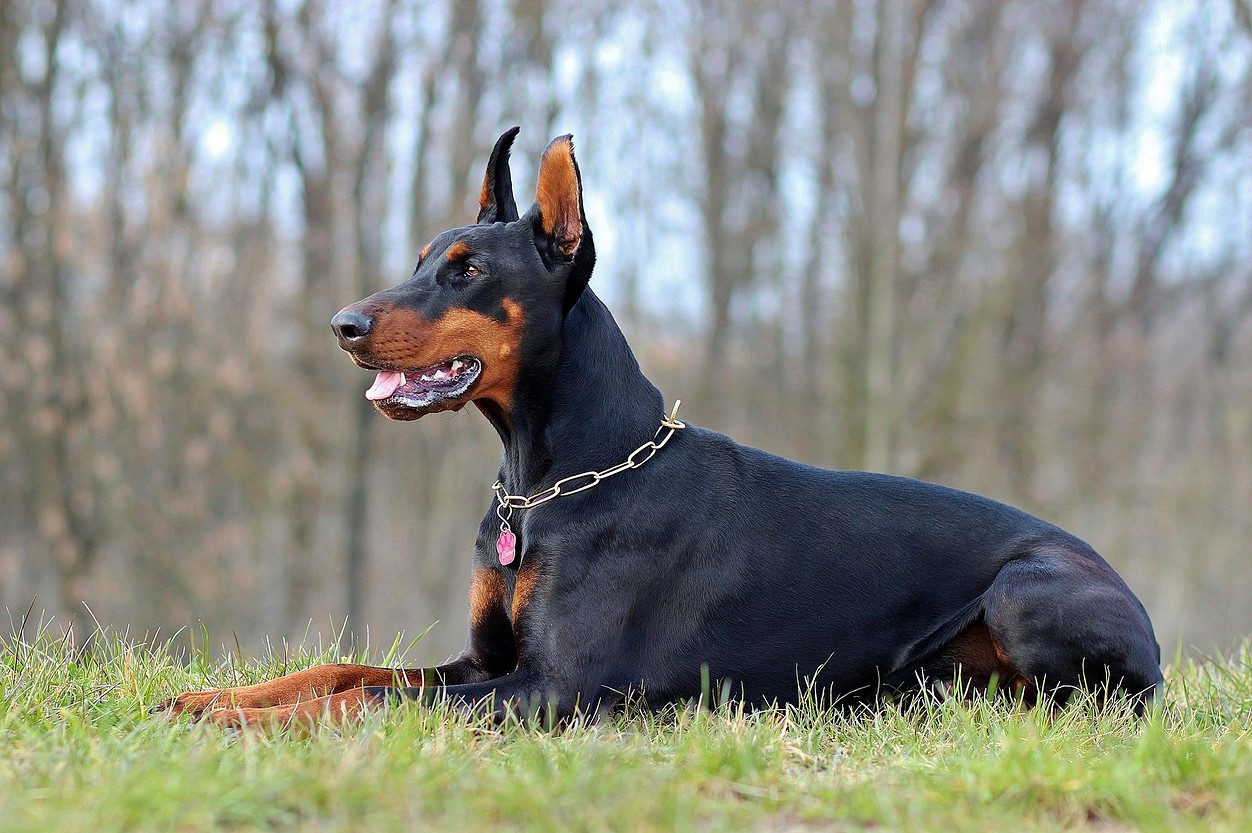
561 231
495 202
559 196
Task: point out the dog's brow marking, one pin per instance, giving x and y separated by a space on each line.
458 250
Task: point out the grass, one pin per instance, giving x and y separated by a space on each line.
81 753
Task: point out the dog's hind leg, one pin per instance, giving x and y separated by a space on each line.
1066 621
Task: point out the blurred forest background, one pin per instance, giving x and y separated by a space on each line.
1001 244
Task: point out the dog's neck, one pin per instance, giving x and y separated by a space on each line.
591 409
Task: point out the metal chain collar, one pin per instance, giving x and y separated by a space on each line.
507 503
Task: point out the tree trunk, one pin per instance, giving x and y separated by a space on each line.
885 259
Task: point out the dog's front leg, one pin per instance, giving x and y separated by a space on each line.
490 652
299 718
317 683
568 640
521 694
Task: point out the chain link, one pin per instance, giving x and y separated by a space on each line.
507 503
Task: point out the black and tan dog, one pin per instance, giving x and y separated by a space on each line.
669 557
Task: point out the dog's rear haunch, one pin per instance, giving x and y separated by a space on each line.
688 562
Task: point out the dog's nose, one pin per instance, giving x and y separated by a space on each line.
350 325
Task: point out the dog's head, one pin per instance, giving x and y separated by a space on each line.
485 302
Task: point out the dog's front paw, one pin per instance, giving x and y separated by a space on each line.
262 721
193 703
298 721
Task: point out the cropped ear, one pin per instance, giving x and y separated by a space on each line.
559 197
495 201
561 229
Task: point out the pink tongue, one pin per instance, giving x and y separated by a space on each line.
385 385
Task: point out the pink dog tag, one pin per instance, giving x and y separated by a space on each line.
506 546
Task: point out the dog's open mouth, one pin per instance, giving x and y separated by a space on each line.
423 388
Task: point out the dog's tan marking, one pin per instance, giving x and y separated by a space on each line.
458 251
486 596
484 196
558 195
524 590
302 718
309 684
403 338
979 658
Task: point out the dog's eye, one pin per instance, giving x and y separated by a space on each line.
470 271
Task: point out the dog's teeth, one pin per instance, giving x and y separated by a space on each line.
439 374
456 365
404 380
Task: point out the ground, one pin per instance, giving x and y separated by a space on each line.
80 752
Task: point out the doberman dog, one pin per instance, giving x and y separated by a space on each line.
627 553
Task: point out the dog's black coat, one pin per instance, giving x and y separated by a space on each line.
718 562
